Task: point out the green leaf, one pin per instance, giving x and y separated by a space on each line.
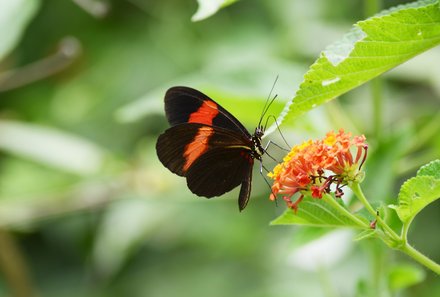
118 237
14 15
405 275
415 194
208 8
35 182
365 234
430 169
314 212
50 147
372 47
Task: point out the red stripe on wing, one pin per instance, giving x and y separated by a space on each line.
197 147
205 114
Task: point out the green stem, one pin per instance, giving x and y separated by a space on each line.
356 188
425 134
404 233
14 268
372 7
376 89
342 210
397 242
419 257
378 273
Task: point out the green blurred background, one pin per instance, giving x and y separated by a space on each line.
86 209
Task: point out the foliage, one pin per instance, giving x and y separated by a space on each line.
315 213
418 192
208 8
15 15
86 209
371 48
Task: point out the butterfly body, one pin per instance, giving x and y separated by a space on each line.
208 145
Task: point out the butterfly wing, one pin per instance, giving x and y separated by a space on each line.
180 146
206 144
187 105
219 171
172 145
245 190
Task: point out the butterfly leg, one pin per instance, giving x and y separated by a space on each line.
262 175
267 146
275 144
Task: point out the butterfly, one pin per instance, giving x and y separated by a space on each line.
208 145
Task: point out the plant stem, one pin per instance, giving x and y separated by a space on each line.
372 7
398 242
69 50
377 252
404 233
342 210
14 268
419 257
356 188
376 89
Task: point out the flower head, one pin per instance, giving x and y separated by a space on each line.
314 166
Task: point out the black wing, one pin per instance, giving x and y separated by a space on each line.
219 171
182 145
245 191
187 105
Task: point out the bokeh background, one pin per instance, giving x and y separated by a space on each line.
86 209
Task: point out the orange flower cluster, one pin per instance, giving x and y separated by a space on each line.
312 167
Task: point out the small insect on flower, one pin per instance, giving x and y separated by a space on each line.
312 167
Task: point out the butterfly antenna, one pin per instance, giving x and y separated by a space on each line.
279 130
268 101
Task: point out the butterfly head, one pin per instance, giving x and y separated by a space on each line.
259 132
